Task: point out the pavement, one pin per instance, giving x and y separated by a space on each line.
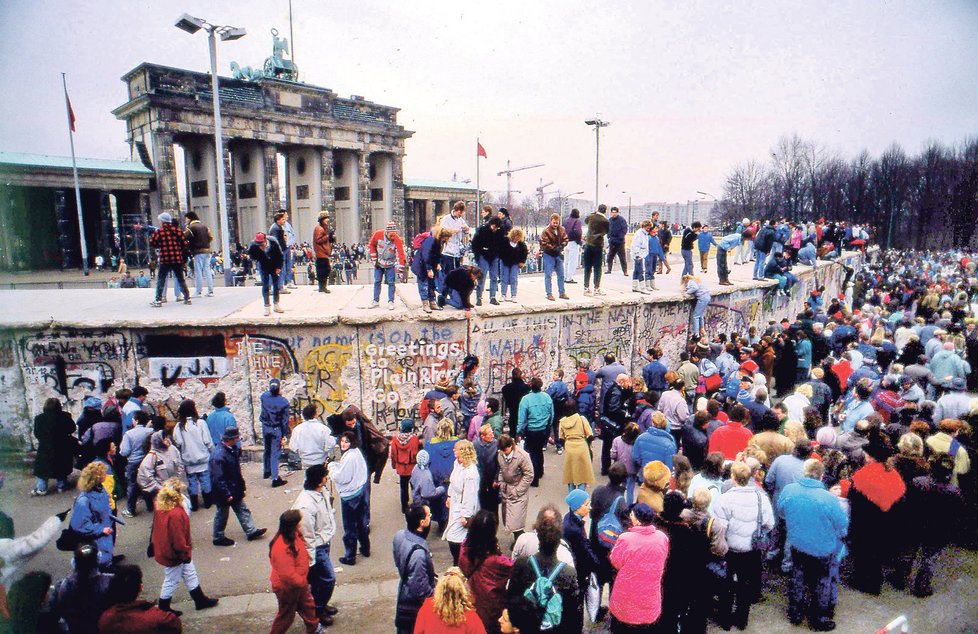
238 306
365 593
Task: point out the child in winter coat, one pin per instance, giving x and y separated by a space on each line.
404 452
513 255
173 547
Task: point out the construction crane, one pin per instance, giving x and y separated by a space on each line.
509 177
540 192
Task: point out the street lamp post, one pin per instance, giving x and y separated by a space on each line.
629 210
714 204
560 206
598 124
191 25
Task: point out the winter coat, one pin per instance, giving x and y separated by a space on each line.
460 281
585 559
349 474
553 241
322 242
427 258
487 457
80 601
463 491
640 245
171 243
226 480
198 237
270 259
515 475
160 464
784 470
56 446
876 495
386 252
318 520
525 615
695 442
486 243
172 544
513 255
487 585
575 431
946 364
289 569
730 439
573 227
639 556
442 453
219 420
430 622
90 516
617 230
138 617
404 451
685 573
195 445
816 521
653 444
134 442
312 442
274 415
597 227
764 239
14 553
741 508
412 558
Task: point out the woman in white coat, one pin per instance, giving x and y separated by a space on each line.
193 438
463 497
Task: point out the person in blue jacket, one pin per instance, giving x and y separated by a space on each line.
425 265
274 419
655 443
220 419
617 230
655 257
654 372
806 254
704 241
91 515
558 394
727 243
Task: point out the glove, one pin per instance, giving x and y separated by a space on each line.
63 515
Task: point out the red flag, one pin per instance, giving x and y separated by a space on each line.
481 151
71 113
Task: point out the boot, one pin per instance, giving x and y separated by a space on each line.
201 600
207 500
322 286
165 606
651 285
194 502
326 286
635 286
278 308
426 306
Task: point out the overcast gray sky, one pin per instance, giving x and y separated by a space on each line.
690 87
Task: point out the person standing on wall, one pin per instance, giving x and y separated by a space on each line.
322 242
704 241
486 248
277 233
618 229
728 243
597 227
451 253
387 252
199 239
274 417
686 247
268 255
665 240
572 255
553 240
172 245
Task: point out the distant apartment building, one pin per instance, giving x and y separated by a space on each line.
676 213
566 204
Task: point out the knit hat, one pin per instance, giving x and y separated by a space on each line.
165 218
643 513
423 459
576 498
656 475
749 366
825 437
93 401
230 433
391 226
407 425
323 215
260 238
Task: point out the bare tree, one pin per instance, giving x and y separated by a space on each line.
788 163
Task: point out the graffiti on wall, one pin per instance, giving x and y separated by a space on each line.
527 342
591 334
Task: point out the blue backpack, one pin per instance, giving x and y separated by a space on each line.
544 596
609 526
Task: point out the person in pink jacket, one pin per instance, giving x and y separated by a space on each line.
639 556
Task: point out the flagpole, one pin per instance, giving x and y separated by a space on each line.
74 169
478 189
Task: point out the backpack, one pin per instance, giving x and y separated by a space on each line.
609 526
419 239
544 597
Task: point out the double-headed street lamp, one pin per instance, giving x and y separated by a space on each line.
190 24
598 124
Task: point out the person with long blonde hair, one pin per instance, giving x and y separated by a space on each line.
450 609
91 515
463 497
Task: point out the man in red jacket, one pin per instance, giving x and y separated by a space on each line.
130 615
387 253
732 438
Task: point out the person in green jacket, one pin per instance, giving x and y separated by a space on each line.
493 418
536 415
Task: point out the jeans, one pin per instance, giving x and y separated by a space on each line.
759 264
132 489
269 279
617 249
426 288
271 453
389 276
510 275
698 311
687 261
454 299
172 576
176 287
651 264
572 259
286 275
42 483
638 269
355 524
723 270
552 264
221 513
322 578
592 265
448 264
810 587
177 271
534 443
199 482
490 269
630 488
202 271
789 280
781 279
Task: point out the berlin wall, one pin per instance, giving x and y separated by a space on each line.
384 366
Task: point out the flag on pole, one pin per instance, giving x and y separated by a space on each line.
71 113
481 150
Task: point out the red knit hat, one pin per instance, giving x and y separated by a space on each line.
749 366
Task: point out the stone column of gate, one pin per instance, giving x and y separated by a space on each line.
166 180
398 212
363 191
328 186
231 202
272 201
